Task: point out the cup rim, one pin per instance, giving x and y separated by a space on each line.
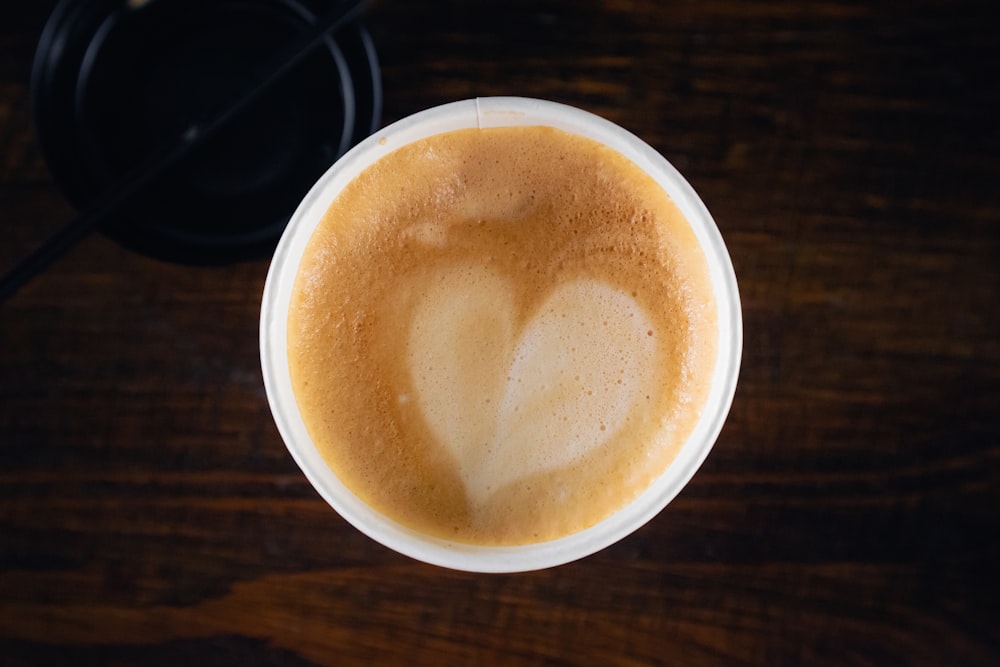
481 113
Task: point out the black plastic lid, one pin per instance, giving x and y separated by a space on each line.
116 82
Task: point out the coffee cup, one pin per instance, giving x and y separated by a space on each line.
514 357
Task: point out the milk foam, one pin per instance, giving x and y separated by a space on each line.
511 399
501 336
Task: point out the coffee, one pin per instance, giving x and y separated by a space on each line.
501 336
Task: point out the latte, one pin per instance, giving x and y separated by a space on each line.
501 336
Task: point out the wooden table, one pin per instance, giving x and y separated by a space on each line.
150 514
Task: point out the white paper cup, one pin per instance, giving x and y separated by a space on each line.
494 112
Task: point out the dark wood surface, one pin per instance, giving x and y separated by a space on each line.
150 514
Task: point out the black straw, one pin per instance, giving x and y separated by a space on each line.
195 136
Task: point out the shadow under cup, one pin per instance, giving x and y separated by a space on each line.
496 112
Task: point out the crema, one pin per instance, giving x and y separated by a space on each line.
501 336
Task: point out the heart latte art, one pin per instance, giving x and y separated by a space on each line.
492 394
501 336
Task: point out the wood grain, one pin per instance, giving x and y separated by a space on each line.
149 513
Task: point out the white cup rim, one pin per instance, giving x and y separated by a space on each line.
493 112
